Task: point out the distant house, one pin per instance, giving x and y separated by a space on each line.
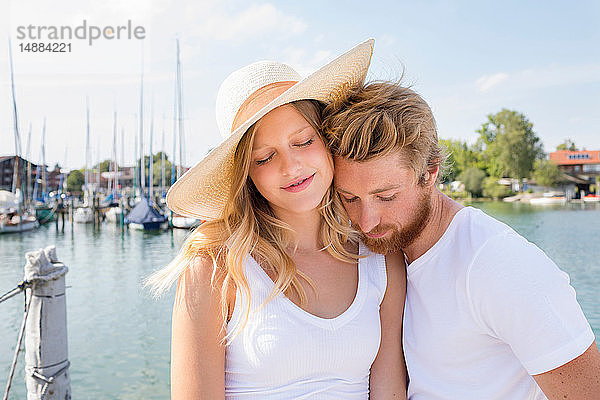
577 162
7 172
581 168
7 168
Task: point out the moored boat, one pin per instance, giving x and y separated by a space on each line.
44 213
113 214
11 222
146 217
83 215
591 198
549 199
181 222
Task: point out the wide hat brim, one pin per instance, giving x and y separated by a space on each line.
203 190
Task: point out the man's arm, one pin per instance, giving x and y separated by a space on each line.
578 379
388 372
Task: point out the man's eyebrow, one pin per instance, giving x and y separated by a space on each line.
376 191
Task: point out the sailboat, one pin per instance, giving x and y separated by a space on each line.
12 216
44 210
145 215
11 221
115 211
85 215
179 221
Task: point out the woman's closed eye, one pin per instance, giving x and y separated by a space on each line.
302 144
265 160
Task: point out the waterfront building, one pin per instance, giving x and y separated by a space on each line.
7 169
582 168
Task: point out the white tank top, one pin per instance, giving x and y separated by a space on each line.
284 352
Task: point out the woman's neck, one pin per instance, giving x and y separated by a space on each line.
306 226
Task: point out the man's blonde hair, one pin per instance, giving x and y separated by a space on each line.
380 118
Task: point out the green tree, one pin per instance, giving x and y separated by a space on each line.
473 178
509 144
157 172
460 157
546 173
104 166
75 180
568 144
491 188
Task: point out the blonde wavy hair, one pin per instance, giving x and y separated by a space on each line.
378 118
249 226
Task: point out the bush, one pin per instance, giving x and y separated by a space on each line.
473 178
491 188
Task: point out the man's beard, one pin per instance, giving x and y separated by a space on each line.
399 240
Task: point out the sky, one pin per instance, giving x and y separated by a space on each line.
467 60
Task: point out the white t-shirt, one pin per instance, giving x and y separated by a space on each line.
284 352
485 310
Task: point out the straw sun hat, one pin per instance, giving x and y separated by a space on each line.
245 97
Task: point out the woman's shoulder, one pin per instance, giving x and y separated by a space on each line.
205 272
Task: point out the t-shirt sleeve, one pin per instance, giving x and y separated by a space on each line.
519 296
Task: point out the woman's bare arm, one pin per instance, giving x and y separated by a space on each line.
197 354
388 372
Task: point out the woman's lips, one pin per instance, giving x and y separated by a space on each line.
303 184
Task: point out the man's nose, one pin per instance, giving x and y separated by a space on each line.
368 218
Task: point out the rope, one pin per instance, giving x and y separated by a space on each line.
48 380
18 348
11 293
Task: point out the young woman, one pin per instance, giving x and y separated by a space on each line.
276 298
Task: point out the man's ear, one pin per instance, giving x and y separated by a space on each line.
431 175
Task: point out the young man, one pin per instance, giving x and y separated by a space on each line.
488 315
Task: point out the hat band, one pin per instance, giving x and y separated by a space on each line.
258 100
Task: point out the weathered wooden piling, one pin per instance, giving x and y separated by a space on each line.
46 355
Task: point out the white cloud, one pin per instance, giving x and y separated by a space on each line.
257 20
487 82
541 77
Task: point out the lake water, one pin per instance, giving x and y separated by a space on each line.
119 336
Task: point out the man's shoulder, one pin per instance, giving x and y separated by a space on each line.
474 229
499 254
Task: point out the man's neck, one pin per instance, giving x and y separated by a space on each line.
443 210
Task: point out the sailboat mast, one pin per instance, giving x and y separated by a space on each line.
16 175
27 157
122 158
115 167
141 133
87 144
180 114
44 177
174 160
64 170
98 160
151 159
135 165
162 161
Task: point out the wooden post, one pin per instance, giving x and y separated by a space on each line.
46 356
